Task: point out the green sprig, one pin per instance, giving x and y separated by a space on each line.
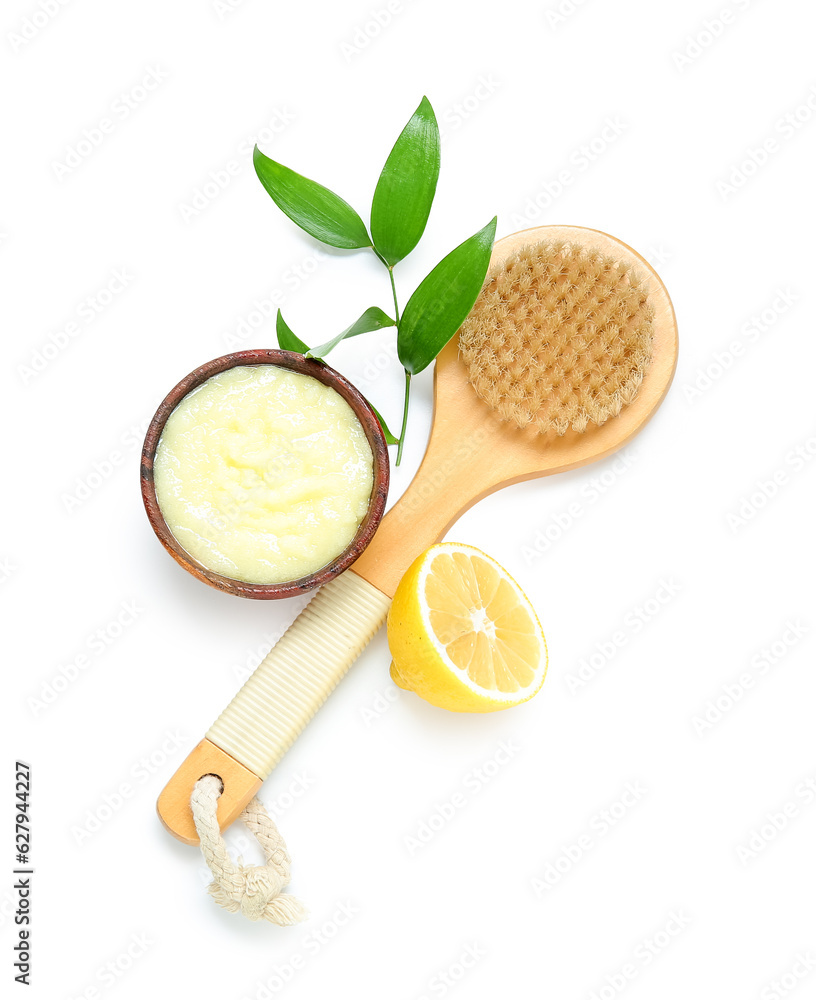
399 214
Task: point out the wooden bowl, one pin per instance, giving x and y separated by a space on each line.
373 431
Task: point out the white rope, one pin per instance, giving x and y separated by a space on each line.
255 890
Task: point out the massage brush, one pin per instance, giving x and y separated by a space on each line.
568 351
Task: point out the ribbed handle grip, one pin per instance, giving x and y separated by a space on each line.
272 708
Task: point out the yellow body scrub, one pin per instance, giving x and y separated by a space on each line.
263 474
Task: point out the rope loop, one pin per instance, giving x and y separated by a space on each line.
254 890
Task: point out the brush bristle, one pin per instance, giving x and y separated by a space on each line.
560 337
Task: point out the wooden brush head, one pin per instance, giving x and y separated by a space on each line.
560 336
473 451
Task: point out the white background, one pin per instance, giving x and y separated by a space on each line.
518 92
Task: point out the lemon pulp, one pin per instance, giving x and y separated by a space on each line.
463 634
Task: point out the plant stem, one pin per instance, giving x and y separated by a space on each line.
394 293
404 415
401 441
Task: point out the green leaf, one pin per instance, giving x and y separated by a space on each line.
389 437
287 341
321 212
406 188
372 319
439 306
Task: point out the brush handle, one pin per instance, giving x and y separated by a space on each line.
300 672
272 708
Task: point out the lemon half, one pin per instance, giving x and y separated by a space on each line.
463 634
